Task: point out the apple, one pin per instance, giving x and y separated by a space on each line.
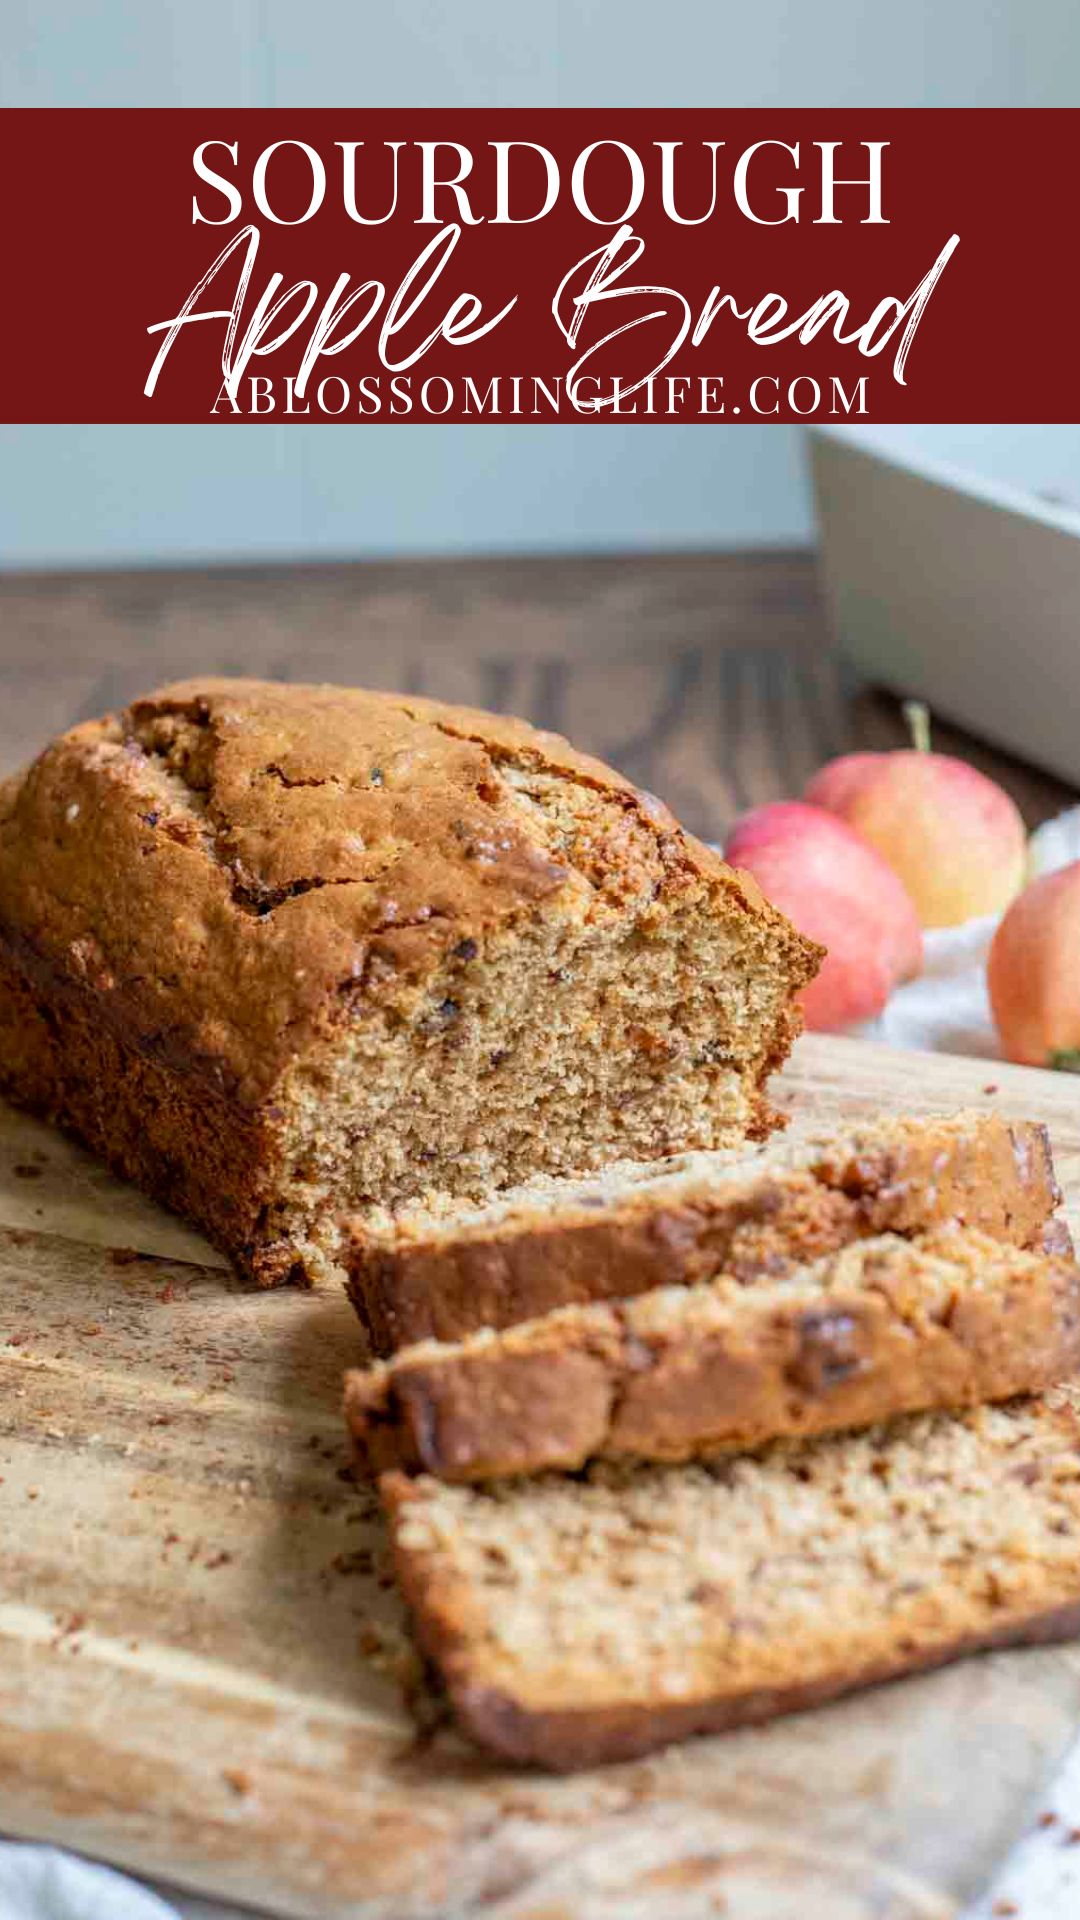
955 839
836 889
1033 973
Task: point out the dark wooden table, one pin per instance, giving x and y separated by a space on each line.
708 678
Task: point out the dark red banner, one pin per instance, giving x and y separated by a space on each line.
404 266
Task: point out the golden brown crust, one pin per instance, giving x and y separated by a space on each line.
179 1138
886 1327
985 1171
472 1416
220 862
573 1738
205 890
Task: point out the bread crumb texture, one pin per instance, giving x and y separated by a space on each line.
582 1619
367 947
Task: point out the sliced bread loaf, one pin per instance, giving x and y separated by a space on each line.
280 953
438 1272
886 1326
574 1621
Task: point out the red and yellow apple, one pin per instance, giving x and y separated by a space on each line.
1033 973
838 890
953 837
956 840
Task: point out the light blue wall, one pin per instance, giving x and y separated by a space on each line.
71 495
117 493
525 53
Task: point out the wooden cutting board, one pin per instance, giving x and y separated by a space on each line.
191 1593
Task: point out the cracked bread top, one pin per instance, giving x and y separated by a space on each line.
232 865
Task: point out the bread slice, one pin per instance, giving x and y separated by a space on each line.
581 1620
442 1272
282 952
886 1326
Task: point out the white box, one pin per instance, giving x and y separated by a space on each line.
951 571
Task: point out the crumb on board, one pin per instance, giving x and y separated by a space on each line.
389 1651
67 1625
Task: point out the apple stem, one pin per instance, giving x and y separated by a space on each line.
917 715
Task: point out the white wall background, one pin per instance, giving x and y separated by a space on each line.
71 495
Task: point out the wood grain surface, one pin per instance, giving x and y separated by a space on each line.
708 678
199 1643
197 1636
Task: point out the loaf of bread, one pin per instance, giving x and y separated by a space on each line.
574 1621
277 952
887 1326
441 1272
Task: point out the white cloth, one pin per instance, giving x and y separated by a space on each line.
946 1008
40 1883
